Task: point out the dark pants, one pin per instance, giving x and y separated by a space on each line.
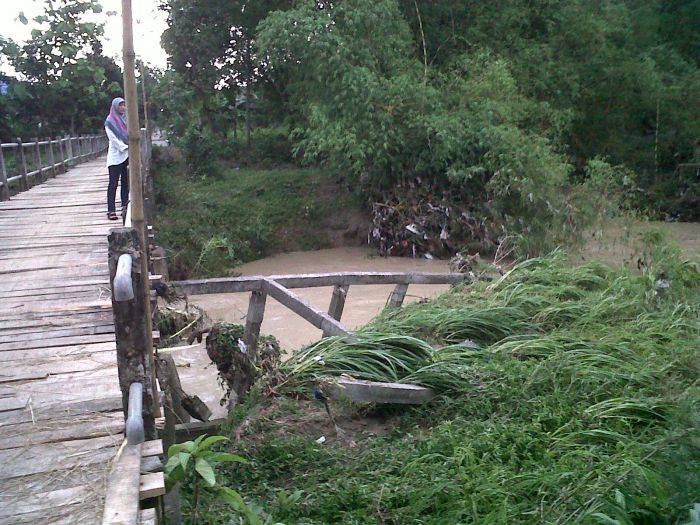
115 173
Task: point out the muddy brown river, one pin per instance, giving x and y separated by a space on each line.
362 303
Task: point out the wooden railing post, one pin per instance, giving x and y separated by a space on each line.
52 157
253 321
5 190
62 153
132 329
37 160
23 165
335 310
397 296
69 151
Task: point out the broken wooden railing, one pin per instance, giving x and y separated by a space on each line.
24 164
280 287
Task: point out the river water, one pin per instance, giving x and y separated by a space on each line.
197 374
361 305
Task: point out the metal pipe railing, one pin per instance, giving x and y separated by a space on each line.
123 286
135 432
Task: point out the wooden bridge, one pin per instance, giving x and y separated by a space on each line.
61 417
76 342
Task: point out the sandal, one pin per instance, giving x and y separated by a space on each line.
112 216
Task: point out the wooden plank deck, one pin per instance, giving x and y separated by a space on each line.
60 405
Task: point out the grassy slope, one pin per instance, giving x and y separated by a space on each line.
209 225
588 408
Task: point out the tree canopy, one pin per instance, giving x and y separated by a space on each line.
65 81
508 99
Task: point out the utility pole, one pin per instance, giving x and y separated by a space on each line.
135 184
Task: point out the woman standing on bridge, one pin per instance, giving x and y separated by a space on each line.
117 156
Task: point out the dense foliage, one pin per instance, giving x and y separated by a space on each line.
569 395
514 104
64 82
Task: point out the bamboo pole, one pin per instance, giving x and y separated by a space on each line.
135 187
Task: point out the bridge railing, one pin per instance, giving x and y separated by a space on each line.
26 164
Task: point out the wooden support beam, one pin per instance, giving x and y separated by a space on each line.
182 405
190 431
375 392
248 284
254 318
123 488
300 307
397 295
335 310
170 383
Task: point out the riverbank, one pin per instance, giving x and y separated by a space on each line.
209 225
565 394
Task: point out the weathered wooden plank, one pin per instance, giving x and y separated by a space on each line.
70 351
148 517
248 284
57 341
30 508
64 429
49 457
302 308
376 392
152 485
62 411
35 335
152 448
98 324
120 506
41 368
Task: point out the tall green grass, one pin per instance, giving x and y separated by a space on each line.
567 395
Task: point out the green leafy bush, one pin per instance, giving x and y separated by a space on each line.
201 151
195 462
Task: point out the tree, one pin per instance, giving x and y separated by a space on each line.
70 80
212 48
